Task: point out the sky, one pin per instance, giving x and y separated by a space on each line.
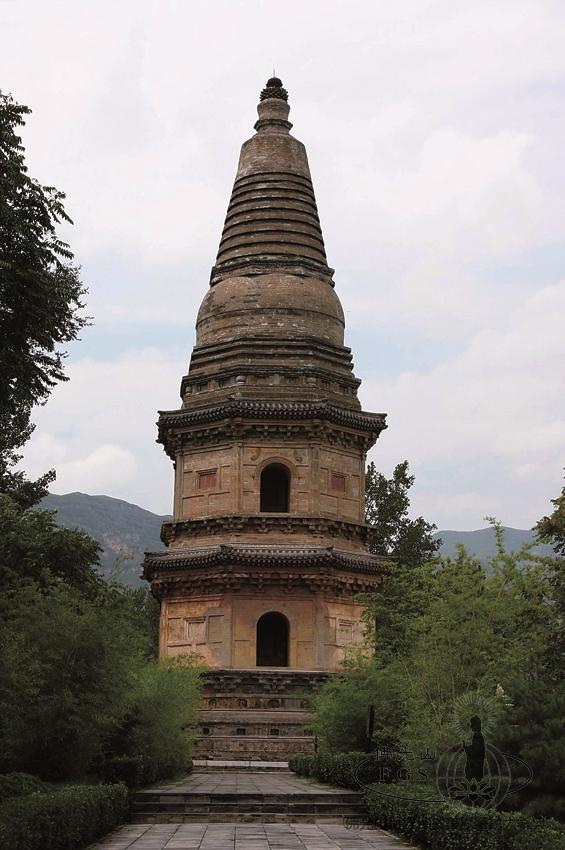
435 132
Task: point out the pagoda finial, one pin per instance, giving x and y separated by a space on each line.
274 88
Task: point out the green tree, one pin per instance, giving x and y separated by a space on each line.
444 629
161 723
79 683
34 548
341 708
81 663
392 533
551 529
41 298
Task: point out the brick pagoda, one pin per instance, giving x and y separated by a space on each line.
267 548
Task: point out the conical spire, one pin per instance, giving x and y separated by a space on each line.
272 223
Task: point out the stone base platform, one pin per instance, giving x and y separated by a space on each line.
256 715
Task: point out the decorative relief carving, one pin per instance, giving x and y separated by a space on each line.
236 418
338 482
345 632
226 580
230 523
208 479
195 628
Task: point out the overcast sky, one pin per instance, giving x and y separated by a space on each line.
436 138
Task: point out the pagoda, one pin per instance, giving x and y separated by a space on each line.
266 553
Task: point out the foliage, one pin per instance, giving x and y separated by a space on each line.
156 740
79 686
392 533
454 826
456 627
59 705
345 770
125 531
20 784
69 817
77 672
341 707
551 529
33 546
41 297
533 724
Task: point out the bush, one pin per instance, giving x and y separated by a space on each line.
126 769
65 819
20 784
60 704
342 703
346 770
454 826
155 741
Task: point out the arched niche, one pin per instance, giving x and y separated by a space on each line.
272 640
275 489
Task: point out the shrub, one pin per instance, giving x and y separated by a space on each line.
454 826
127 769
347 770
65 819
20 784
59 705
155 741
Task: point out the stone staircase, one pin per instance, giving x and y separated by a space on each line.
263 797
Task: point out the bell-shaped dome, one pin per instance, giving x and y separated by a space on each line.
277 306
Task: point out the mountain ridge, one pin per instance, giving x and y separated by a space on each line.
126 531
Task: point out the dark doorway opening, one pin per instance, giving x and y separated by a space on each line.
275 489
272 640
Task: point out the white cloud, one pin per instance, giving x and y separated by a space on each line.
106 469
499 404
99 432
435 134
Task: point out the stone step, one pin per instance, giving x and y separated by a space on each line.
238 818
261 808
145 798
213 764
308 807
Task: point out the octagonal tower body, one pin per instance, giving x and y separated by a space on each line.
267 547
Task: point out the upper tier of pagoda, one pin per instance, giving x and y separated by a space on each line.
272 223
270 329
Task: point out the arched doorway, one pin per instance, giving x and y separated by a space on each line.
272 640
275 489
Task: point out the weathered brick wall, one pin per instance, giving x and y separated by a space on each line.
222 629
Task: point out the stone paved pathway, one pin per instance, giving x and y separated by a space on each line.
246 782
247 836
241 836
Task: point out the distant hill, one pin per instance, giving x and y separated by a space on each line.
123 529
482 545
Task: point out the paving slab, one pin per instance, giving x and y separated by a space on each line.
232 836
245 782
